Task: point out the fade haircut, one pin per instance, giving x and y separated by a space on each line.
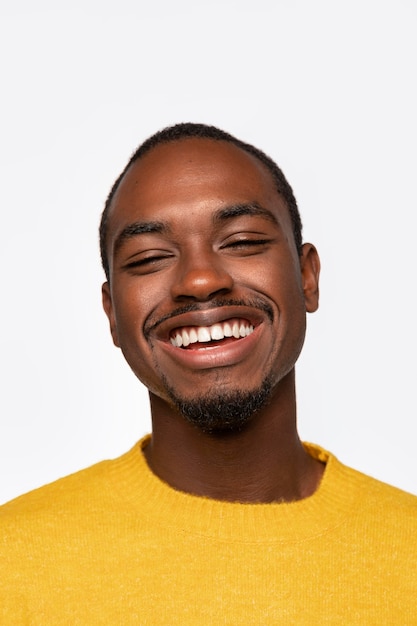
203 131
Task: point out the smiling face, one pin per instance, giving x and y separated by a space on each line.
207 295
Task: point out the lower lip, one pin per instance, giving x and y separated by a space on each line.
212 356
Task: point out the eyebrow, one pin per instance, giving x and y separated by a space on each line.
140 228
226 213
237 210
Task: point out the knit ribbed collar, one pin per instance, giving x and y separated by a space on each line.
160 504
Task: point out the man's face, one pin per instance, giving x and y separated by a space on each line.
207 294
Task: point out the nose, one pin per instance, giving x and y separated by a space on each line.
201 279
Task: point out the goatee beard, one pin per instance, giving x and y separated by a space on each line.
218 413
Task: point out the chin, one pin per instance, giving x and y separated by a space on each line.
222 412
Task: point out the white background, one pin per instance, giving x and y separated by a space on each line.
327 88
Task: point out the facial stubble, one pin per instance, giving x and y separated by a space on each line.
218 412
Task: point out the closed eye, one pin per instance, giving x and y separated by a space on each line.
247 242
149 264
251 245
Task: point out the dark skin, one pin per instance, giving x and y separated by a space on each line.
199 222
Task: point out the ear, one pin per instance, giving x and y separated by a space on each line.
310 272
108 308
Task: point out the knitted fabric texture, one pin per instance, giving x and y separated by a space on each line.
115 545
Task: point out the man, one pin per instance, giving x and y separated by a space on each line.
222 515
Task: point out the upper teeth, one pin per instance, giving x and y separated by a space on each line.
192 334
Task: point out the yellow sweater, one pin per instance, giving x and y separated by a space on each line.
114 545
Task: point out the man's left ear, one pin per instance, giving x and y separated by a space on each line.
310 272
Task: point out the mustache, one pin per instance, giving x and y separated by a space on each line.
256 303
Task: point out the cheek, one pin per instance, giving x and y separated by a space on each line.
279 281
133 305
136 350
133 302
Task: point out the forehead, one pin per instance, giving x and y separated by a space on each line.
188 174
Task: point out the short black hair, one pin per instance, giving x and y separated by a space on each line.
203 131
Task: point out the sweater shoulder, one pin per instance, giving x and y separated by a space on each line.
382 499
79 488
350 478
381 489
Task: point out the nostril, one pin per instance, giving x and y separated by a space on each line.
219 292
202 285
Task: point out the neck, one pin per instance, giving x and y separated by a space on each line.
264 462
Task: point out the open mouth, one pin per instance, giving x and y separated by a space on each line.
231 329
